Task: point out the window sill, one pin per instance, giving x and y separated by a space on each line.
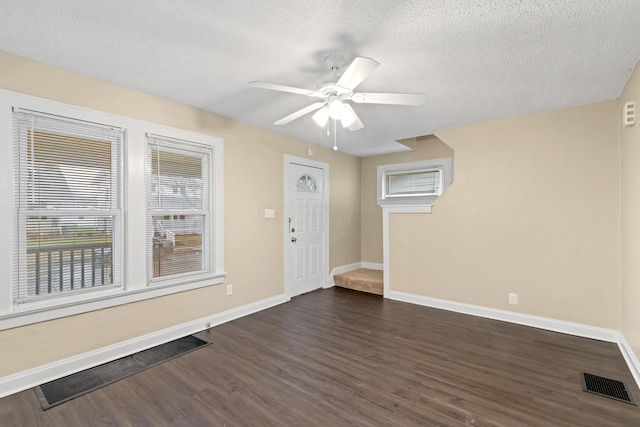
46 310
408 201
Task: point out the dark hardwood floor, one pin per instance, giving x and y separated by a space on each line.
338 357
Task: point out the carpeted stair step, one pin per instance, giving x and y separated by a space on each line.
363 279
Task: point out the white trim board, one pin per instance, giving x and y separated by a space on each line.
351 267
562 326
372 265
630 358
45 373
570 328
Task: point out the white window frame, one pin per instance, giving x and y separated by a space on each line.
135 287
207 211
444 165
437 187
19 232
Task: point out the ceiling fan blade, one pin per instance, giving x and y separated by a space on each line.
359 69
389 98
300 113
282 88
356 124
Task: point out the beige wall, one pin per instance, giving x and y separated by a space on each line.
425 148
534 209
253 162
630 221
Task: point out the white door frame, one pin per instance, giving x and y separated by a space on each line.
288 160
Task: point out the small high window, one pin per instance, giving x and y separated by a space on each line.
414 183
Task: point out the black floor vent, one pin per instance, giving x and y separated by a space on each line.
606 387
64 389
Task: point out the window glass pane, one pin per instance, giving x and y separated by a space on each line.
179 209
67 172
307 183
176 180
177 244
66 253
413 183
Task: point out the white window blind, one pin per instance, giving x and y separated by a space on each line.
69 222
413 183
179 202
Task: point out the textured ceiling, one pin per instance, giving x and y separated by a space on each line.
476 60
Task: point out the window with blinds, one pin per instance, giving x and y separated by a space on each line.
413 183
69 222
179 203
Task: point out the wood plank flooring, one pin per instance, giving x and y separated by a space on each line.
338 357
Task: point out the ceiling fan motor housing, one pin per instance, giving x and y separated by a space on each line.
333 90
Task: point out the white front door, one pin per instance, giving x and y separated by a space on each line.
305 233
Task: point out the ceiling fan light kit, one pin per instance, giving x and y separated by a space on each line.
334 96
321 117
348 117
336 109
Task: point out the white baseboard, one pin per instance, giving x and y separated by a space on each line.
42 374
562 326
630 358
372 265
350 267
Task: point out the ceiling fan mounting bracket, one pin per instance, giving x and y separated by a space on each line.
334 61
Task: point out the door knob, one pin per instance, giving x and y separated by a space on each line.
294 239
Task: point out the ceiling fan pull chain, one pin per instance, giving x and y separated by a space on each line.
335 144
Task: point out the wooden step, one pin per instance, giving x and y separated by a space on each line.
363 279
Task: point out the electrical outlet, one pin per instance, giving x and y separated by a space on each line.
229 289
513 298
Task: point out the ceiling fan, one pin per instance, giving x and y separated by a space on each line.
332 96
